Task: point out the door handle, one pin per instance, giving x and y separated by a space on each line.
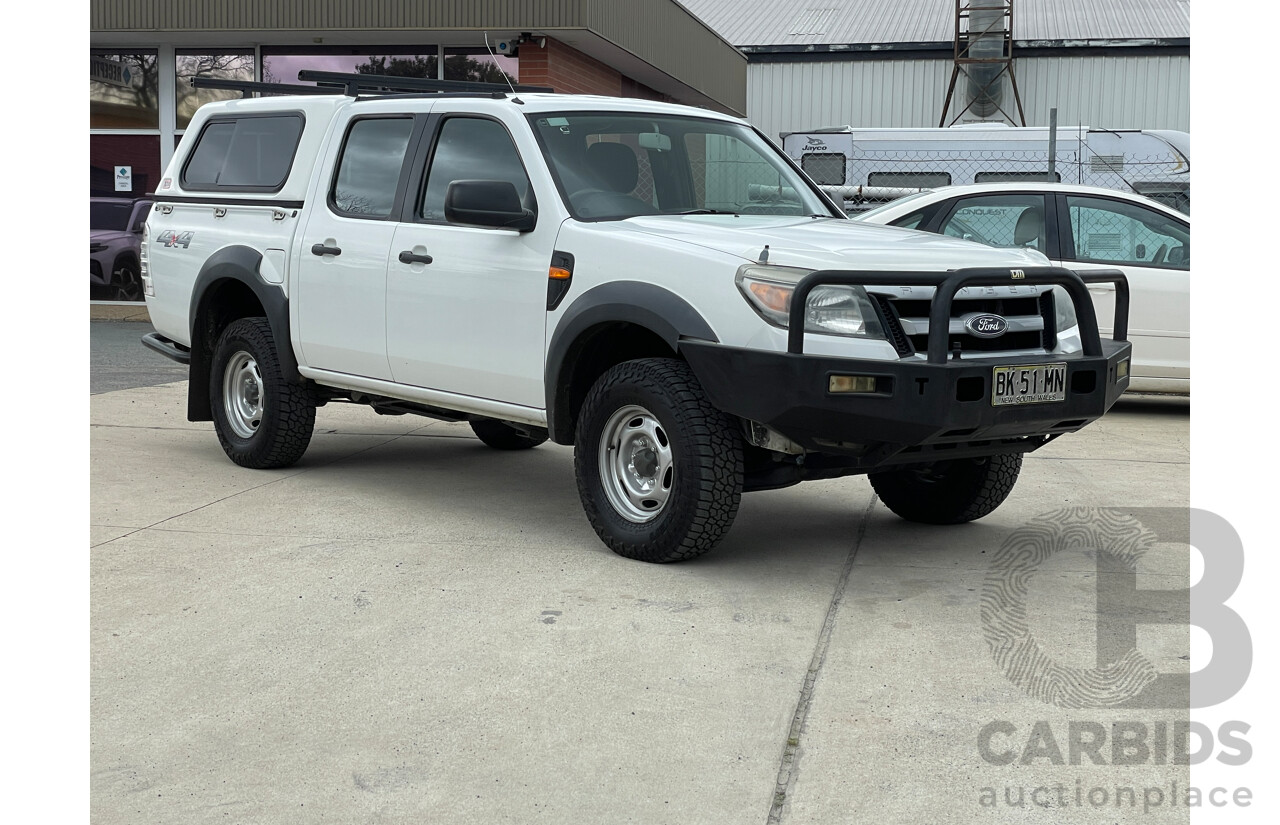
1102 287
321 249
408 257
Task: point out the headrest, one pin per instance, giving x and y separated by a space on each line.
615 165
1030 224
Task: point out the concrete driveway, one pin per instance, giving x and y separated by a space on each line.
410 627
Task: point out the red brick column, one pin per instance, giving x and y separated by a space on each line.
567 70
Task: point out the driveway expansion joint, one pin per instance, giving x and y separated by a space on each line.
788 768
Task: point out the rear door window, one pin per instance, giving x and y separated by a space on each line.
1117 232
370 167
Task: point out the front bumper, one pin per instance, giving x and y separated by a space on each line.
920 411
923 409
99 272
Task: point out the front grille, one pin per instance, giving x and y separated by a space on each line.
1031 319
892 327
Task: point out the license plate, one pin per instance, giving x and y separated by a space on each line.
1030 384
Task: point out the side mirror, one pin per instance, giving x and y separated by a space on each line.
493 203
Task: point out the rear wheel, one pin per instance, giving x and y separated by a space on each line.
262 420
659 469
503 436
948 492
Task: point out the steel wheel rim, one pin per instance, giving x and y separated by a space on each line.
637 467
242 396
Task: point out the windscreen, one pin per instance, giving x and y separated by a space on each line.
612 165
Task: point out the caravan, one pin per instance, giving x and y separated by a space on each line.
865 166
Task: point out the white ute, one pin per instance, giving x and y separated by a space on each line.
654 284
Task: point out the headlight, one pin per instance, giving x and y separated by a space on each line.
1065 309
830 310
1066 324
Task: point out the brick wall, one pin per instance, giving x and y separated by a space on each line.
569 71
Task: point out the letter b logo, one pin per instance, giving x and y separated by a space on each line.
1123 676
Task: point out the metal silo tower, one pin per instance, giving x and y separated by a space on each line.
984 55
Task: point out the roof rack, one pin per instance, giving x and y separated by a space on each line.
353 84
248 87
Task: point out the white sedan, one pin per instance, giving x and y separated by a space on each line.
1082 228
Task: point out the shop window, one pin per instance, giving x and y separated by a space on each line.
124 90
478 66
281 65
138 154
223 66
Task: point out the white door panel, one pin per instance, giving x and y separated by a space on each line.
1149 247
472 321
343 252
342 312
1159 316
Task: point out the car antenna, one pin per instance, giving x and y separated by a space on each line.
505 76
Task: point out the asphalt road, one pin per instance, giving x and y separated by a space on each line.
119 361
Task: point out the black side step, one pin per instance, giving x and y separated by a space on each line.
169 349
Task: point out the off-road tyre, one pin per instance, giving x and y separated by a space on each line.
502 436
654 411
262 420
948 492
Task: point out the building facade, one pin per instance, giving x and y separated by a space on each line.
1114 64
145 53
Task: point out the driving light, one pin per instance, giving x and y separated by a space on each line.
851 383
1122 369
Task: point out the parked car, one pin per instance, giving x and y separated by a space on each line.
115 236
1083 228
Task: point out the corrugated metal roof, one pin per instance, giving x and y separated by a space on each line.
831 22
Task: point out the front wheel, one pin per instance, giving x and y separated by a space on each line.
659 468
948 492
262 420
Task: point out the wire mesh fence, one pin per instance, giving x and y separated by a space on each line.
866 179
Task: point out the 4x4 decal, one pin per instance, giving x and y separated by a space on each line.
182 239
